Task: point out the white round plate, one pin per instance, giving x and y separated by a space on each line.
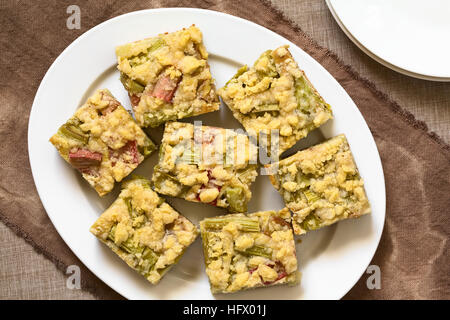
331 260
407 36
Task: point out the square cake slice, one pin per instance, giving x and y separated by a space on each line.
320 185
102 141
275 94
167 77
249 251
206 164
144 231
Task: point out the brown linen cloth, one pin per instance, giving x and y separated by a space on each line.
413 254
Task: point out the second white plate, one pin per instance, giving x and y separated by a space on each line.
408 36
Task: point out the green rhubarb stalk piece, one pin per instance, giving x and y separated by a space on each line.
236 199
131 85
166 176
303 94
240 71
272 72
307 99
126 245
156 45
153 121
245 224
257 251
311 222
287 196
149 259
129 206
111 234
72 130
303 180
147 148
139 179
269 107
205 244
311 196
129 247
161 153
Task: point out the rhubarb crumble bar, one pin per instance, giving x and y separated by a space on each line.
206 164
144 231
102 141
320 185
167 77
275 94
249 251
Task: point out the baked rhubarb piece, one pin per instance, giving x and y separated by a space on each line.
167 77
102 141
275 94
206 164
144 231
249 251
320 185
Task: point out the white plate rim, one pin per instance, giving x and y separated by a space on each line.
33 166
376 57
